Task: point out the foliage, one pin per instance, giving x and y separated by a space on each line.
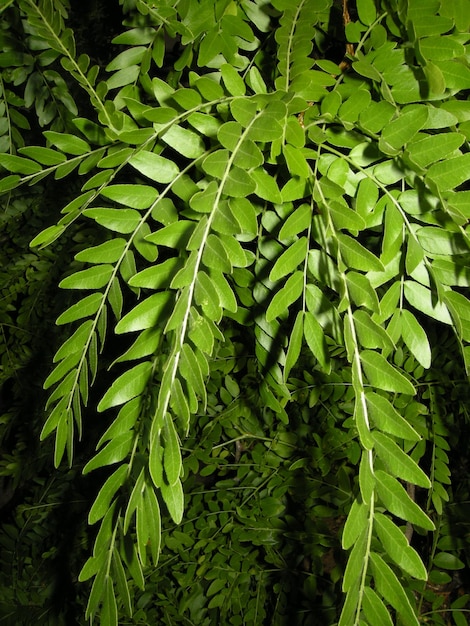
267 204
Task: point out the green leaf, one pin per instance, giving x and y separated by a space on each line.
19 165
371 334
361 291
383 375
361 417
186 142
174 500
266 186
344 217
124 421
107 252
390 587
133 196
114 452
401 130
356 562
107 492
297 222
172 462
178 401
355 523
296 161
449 174
205 201
118 220
439 241
42 155
191 371
127 386
367 11
355 255
92 278
290 259
447 561
62 369
238 183
86 307
232 81
154 166
75 342
227 298
349 610
398 462
374 609
432 148
415 338
286 296
146 314
315 338
268 125
157 276
152 514
10 182
295 344
174 235
387 418
248 156
351 108
397 547
225 220
142 534
71 144
216 163
424 301
109 614
398 502
121 582
206 296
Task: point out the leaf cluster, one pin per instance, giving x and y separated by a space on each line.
269 240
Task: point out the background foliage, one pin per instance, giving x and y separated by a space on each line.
257 405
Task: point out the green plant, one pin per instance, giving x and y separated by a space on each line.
270 227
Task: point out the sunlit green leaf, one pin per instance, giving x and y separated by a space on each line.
315 338
129 385
375 610
390 587
415 338
91 278
83 308
118 220
171 453
174 500
383 375
106 494
114 451
397 547
155 167
398 502
356 256
146 314
289 260
286 296
355 523
71 144
398 462
387 418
